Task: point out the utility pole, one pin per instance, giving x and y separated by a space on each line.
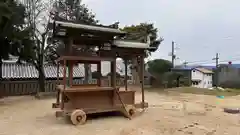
216 71
173 55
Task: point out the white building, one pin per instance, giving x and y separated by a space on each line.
201 78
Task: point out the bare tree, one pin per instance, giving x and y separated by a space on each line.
38 12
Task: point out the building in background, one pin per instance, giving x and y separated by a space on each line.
229 75
201 77
197 76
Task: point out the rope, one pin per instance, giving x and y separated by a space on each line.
123 105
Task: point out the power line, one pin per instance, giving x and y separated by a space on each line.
197 61
218 61
210 61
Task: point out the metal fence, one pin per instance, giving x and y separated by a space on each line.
16 88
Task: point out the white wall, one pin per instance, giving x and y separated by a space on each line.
205 79
208 80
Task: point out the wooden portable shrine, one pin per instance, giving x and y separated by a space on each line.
77 101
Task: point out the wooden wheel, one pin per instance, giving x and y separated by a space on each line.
130 111
78 117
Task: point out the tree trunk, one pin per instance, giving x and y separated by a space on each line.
41 80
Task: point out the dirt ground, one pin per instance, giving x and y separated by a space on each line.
173 114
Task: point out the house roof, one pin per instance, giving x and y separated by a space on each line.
204 70
182 68
89 27
199 68
26 70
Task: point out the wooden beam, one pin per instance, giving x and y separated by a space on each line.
85 58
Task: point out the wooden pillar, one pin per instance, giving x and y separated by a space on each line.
64 81
58 72
126 76
142 79
70 73
99 73
58 91
113 80
113 73
70 63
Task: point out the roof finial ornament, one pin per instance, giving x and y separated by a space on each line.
149 39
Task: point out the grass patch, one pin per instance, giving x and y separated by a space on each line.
226 92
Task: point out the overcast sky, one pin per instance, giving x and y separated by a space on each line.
200 28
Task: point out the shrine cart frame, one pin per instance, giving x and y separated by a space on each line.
76 101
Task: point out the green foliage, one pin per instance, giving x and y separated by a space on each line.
159 66
162 70
73 11
12 30
140 33
175 79
173 75
5 11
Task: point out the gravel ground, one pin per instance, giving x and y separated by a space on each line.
177 114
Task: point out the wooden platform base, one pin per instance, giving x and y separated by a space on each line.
138 105
62 113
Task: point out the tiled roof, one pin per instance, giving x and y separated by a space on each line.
14 70
89 27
